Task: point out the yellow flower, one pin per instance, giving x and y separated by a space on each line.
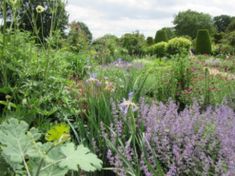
58 133
13 2
40 9
109 86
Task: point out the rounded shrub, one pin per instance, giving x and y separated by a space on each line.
178 45
161 36
203 42
159 49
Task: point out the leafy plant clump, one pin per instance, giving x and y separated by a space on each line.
178 45
158 49
26 155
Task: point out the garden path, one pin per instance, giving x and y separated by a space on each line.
215 71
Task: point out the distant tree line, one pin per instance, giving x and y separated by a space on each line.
78 37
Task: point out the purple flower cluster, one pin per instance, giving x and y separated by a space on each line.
123 151
191 142
120 63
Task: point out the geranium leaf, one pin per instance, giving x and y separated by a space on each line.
79 156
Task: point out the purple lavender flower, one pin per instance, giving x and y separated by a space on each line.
192 142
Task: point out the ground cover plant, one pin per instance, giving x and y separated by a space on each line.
71 105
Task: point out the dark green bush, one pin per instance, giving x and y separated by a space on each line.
149 41
161 36
203 42
231 26
178 45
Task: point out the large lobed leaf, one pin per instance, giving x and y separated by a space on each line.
79 156
17 142
18 145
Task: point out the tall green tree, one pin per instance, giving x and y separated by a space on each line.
170 32
221 22
189 22
41 17
133 42
161 36
79 37
150 41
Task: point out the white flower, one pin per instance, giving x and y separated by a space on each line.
126 104
40 9
93 81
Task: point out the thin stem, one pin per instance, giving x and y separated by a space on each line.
52 164
73 129
42 160
25 164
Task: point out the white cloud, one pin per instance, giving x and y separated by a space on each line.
121 16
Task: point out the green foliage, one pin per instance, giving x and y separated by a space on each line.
230 38
79 156
77 63
107 49
79 37
133 43
218 37
224 49
25 16
37 81
170 32
203 42
158 49
231 26
149 41
221 22
161 36
178 45
19 145
189 22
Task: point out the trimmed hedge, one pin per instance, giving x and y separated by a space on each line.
203 42
178 45
158 49
161 36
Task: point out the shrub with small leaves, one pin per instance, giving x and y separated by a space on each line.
178 45
158 49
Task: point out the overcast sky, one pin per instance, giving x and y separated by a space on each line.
121 16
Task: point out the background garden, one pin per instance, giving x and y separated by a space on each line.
131 105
